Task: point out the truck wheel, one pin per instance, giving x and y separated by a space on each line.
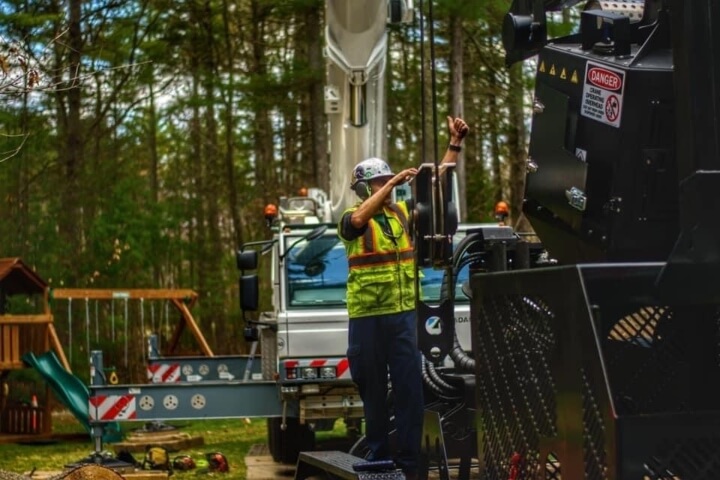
286 445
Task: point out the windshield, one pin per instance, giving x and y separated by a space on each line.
317 274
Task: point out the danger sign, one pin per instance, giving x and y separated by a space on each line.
603 94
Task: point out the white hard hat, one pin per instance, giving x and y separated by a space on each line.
369 169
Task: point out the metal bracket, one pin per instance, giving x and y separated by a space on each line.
576 198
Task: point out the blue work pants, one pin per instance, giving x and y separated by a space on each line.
377 345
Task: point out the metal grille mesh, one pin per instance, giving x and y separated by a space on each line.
552 468
657 363
268 346
594 455
691 459
514 343
633 9
654 340
667 346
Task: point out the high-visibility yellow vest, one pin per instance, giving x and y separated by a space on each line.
381 278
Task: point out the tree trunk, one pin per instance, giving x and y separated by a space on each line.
71 151
494 132
457 107
262 126
230 177
318 120
211 264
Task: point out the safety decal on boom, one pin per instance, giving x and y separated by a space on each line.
112 407
163 372
603 94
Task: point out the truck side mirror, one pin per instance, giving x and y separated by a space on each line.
246 260
249 294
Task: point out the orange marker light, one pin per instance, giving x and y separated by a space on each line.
271 211
303 192
502 208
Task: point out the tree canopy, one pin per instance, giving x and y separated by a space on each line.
141 139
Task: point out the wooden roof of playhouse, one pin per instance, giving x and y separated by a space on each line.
17 278
21 333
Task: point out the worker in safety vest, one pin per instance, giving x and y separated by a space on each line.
381 305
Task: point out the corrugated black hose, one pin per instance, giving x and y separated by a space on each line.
462 360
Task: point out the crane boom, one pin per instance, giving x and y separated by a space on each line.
356 50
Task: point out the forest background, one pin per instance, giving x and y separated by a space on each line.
141 140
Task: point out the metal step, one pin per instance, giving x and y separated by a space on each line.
338 464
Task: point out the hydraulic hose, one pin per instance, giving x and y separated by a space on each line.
460 358
431 378
464 362
430 367
430 383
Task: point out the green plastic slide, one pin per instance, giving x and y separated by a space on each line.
70 390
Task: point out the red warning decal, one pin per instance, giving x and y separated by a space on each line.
605 79
602 97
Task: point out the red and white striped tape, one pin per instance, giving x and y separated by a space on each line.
341 365
163 372
112 407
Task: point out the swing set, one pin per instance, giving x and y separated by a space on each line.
181 299
27 329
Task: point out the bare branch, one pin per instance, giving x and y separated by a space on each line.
7 155
22 72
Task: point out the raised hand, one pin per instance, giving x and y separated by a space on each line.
457 128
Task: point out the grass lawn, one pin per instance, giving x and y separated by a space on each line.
232 437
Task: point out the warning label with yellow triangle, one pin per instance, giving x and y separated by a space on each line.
542 67
574 78
552 70
563 74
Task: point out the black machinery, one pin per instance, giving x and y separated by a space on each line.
596 355
607 365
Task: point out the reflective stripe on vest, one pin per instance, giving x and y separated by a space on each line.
370 257
373 259
369 240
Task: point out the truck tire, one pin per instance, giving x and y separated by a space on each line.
286 445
